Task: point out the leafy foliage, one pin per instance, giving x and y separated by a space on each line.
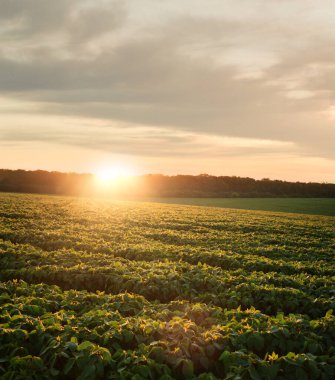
142 291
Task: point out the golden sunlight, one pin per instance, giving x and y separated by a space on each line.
109 175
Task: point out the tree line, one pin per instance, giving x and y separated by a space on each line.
203 185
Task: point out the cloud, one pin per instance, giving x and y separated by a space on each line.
80 19
141 140
231 74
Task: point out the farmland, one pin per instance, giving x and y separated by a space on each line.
135 290
315 206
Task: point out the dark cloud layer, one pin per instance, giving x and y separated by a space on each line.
183 72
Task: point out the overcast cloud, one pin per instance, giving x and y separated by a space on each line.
171 78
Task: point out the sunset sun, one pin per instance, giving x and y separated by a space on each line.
109 175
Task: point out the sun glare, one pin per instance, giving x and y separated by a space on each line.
110 175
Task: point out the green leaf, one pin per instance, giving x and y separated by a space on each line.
69 364
253 373
106 355
225 356
88 373
329 313
271 371
187 368
300 374
85 345
144 371
54 372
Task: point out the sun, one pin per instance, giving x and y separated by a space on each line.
109 175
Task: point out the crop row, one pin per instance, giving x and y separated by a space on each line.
151 291
229 239
149 251
169 280
77 334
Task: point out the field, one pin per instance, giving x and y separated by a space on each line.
314 206
95 289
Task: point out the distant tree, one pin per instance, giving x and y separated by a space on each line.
203 185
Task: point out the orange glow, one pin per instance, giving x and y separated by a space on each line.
111 175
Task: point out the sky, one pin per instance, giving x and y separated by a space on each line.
224 87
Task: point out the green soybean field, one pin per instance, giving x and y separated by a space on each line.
99 289
316 206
